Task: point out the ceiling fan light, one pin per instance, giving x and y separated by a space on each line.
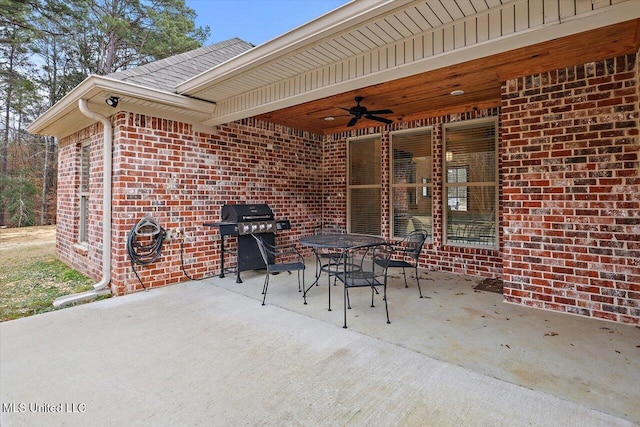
457 92
330 118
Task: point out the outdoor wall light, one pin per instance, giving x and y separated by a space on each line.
448 156
112 101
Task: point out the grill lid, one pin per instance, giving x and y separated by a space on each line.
246 212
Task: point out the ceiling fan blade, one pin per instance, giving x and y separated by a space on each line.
352 121
335 117
379 112
378 119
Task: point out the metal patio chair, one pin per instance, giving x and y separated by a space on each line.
326 259
276 267
331 256
405 255
358 270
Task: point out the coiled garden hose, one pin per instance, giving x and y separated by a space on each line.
152 236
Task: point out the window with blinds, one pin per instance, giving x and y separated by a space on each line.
364 185
83 193
470 201
411 182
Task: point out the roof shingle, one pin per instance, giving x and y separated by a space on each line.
167 73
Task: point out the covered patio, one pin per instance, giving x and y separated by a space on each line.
520 116
206 352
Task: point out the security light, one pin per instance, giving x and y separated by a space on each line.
112 101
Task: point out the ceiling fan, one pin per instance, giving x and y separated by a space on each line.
360 111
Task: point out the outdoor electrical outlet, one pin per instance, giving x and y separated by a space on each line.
172 235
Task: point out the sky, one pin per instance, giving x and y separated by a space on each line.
256 21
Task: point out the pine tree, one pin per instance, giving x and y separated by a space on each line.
47 47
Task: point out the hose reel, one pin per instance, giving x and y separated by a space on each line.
144 244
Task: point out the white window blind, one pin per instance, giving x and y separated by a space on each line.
364 185
83 193
411 182
471 183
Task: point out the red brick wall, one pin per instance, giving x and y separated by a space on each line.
572 190
87 259
182 178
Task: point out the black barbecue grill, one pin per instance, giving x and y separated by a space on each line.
242 220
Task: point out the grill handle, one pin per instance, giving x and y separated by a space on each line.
256 217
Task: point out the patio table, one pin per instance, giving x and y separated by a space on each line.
339 243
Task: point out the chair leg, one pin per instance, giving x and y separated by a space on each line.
346 298
329 287
386 308
373 288
405 278
266 285
418 280
304 296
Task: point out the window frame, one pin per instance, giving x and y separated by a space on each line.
470 184
84 192
420 185
466 168
373 138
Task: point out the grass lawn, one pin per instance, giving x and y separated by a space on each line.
31 277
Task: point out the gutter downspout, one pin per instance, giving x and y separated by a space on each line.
100 288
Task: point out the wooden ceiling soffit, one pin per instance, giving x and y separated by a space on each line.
429 94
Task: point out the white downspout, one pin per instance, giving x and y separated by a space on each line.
100 288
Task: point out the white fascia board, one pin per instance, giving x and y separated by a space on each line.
353 13
596 19
94 85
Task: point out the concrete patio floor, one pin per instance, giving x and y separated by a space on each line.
207 353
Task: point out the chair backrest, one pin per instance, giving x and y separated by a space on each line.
413 243
363 265
417 224
263 249
384 254
329 229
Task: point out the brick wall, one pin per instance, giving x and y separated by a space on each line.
84 258
572 190
182 178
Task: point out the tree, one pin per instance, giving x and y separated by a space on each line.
14 58
121 34
58 74
21 13
19 193
22 24
47 47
